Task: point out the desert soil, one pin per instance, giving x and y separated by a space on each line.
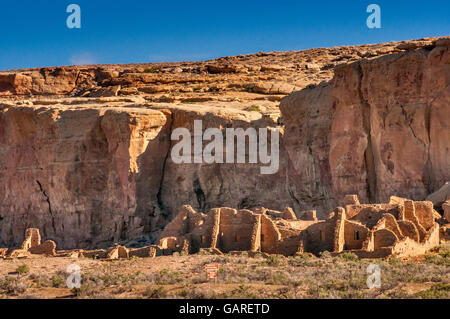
239 276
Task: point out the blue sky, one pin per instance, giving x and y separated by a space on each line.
34 33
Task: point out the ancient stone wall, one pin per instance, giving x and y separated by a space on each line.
270 235
355 234
384 238
236 229
227 230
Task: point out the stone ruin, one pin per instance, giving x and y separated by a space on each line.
32 246
401 227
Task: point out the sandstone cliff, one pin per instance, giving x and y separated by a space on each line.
89 171
380 127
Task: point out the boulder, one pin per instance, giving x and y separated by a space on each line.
440 196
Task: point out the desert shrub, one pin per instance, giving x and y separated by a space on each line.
253 108
325 254
279 278
299 260
39 280
157 292
58 281
394 261
151 70
204 252
398 294
199 279
13 286
349 256
245 292
439 291
23 269
440 259
272 260
167 277
249 88
197 293
88 289
442 250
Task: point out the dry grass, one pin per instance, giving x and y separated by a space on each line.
303 276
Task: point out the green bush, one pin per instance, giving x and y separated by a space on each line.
151 70
23 269
325 254
253 108
250 87
272 260
167 277
155 292
349 256
12 286
440 291
58 282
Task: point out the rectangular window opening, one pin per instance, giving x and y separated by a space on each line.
322 235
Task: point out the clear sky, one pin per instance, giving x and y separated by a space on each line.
34 33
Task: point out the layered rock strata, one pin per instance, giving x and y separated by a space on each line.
92 171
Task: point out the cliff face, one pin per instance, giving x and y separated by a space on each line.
380 127
74 173
93 171
92 175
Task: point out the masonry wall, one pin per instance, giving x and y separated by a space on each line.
408 247
289 246
290 240
390 223
201 231
375 229
355 234
320 236
235 231
424 213
409 229
384 238
269 235
369 215
410 215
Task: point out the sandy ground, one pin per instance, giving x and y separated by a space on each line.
238 277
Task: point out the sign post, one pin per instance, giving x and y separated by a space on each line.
211 271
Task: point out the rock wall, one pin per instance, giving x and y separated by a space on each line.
95 175
204 186
78 174
379 128
92 175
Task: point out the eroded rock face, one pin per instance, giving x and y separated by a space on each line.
75 174
208 185
94 175
379 128
89 172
